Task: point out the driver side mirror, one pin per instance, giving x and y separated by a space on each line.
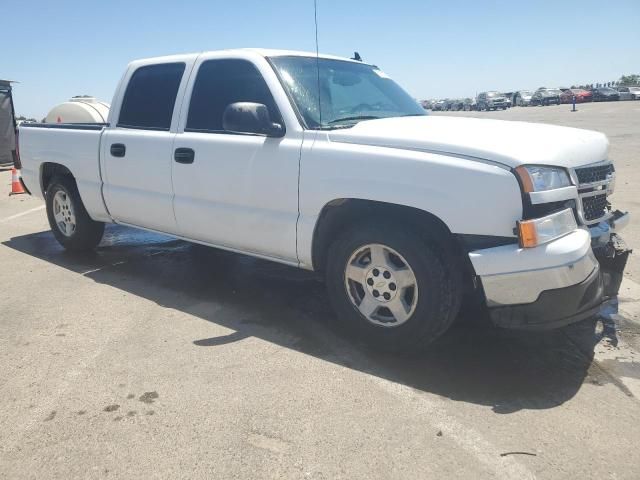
250 117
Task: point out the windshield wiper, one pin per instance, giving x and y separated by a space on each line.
357 117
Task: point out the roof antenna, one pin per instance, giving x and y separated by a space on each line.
356 57
315 17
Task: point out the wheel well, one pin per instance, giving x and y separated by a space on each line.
339 214
48 170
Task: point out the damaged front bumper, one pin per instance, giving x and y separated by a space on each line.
556 284
558 307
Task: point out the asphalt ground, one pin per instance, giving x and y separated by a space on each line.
153 358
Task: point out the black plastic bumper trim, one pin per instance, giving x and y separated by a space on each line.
554 308
563 306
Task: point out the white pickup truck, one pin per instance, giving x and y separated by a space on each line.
326 164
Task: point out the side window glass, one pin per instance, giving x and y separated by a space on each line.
150 97
218 84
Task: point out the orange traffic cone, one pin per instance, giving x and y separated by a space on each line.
16 185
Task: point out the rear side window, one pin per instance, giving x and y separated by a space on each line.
150 97
220 83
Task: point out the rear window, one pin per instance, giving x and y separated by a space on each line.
150 97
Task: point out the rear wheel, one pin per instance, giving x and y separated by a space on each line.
392 286
68 219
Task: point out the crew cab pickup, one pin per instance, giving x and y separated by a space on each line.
326 164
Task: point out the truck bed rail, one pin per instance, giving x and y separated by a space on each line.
67 126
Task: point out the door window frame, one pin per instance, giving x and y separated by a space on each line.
275 115
119 123
116 105
290 123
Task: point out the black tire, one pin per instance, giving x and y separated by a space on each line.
87 233
437 278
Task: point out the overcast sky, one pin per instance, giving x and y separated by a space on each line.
434 49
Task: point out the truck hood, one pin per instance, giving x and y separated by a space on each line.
508 143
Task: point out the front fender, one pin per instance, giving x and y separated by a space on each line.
470 196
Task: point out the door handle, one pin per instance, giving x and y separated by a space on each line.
118 149
184 155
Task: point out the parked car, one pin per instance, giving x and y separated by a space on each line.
438 105
469 104
509 98
522 98
605 94
403 214
491 101
545 96
581 95
455 104
629 93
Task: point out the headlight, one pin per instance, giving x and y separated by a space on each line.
538 179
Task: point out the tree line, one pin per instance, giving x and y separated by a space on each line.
625 80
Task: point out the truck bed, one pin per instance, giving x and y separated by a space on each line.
74 145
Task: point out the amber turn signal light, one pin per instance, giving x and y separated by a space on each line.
538 231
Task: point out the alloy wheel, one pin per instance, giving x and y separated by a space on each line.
63 213
381 285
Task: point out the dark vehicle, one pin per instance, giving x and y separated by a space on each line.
581 95
469 104
455 105
491 101
605 94
546 96
7 126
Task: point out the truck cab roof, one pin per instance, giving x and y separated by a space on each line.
259 52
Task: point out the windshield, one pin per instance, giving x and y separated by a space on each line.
349 91
634 89
525 93
494 94
553 91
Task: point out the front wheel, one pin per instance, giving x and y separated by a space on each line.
392 286
68 219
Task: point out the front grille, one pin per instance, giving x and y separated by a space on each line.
594 207
594 184
594 174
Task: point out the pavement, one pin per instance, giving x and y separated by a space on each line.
154 358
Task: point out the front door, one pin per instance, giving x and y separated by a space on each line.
235 190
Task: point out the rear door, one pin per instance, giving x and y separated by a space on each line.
238 191
136 152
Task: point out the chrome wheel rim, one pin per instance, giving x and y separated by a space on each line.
63 213
381 285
